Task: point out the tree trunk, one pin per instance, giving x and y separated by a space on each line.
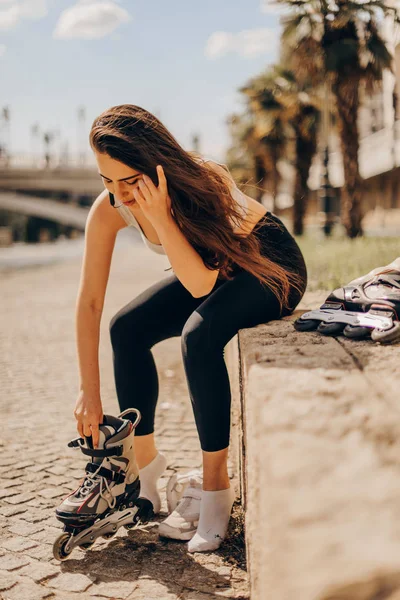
346 90
305 150
260 176
275 180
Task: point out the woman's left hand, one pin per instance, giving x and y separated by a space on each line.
154 201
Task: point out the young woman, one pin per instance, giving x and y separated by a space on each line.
234 266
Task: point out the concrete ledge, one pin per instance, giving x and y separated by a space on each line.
321 465
236 439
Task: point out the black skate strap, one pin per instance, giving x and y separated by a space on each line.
117 477
79 442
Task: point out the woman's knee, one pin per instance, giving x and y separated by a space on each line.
123 324
195 336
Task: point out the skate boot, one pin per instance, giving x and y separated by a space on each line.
182 523
177 484
108 496
368 306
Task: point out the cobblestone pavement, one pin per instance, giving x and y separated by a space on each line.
39 377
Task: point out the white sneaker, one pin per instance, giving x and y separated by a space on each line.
177 484
182 523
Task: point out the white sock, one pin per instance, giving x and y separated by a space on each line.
148 480
215 512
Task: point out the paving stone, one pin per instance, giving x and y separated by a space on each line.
27 591
18 544
35 477
8 492
7 483
39 571
7 580
113 589
9 511
52 493
10 562
20 498
70 582
10 474
41 552
21 527
149 588
47 535
56 470
8 462
38 468
193 595
35 516
23 464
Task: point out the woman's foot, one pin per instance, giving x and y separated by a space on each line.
149 476
215 512
182 523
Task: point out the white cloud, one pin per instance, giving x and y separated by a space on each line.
9 17
34 9
247 43
3 49
15 10
90 19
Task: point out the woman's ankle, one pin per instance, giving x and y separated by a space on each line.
216 484
144 459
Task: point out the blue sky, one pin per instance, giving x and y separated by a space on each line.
180 59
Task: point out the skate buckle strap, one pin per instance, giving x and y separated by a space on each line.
79 442
117 477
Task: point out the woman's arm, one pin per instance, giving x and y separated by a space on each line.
186 262
102 226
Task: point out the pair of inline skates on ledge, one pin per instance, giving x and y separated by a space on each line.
109 496
367 307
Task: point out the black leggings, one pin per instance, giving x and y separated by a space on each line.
167 309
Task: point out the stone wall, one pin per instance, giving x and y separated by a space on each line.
321 448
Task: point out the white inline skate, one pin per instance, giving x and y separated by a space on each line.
108 497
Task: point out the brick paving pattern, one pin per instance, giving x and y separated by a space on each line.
39 378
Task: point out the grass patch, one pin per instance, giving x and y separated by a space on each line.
332 263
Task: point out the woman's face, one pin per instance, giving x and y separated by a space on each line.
118 178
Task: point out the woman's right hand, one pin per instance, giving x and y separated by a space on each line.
89 414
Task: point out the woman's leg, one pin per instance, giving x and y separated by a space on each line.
240 303
156 314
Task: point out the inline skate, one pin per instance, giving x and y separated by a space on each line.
108 496
368 306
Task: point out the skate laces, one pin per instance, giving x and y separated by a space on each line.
91 480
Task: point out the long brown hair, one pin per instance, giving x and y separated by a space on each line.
201 201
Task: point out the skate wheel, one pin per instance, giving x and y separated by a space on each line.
129 526
388 336
59 547
86 546
356 332
109 535
306 324
330 328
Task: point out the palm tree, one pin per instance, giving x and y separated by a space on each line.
340 40
290 108
250 157
267 131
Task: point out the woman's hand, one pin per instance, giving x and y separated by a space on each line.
89 414
154 201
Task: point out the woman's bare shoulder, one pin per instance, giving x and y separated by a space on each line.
104 214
